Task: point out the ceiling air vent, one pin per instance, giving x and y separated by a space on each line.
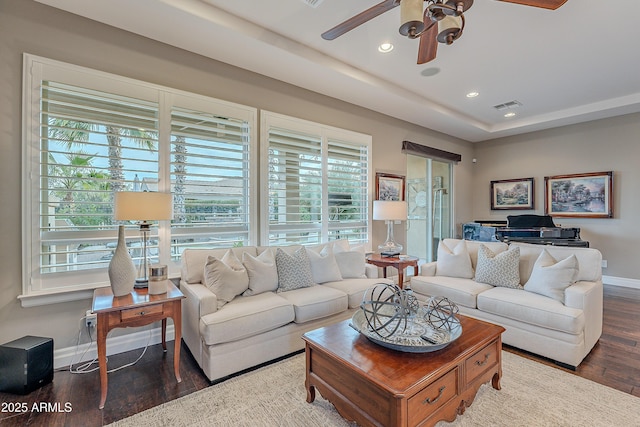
508 105
313 3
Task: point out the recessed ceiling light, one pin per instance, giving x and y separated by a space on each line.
472 94
385 48
510 114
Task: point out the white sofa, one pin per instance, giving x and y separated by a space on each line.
562 324
228 337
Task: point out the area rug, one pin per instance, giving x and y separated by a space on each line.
532 394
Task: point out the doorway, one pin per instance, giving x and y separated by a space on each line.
429 204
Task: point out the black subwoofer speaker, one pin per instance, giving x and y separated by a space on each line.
26 364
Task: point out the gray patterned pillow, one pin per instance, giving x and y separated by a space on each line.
294 271
499 270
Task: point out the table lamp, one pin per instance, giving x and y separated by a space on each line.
142 206
389 211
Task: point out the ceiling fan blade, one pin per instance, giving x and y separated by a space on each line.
360 19
428 43
547 4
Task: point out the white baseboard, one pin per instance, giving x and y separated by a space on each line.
621 281
88 351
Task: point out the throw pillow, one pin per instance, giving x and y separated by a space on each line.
352 263
226 277
550 277
294 271
262 272
500 269
456 263
324 267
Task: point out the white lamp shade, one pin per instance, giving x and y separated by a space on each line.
142 206
389 210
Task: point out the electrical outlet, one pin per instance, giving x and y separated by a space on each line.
91 319
604 263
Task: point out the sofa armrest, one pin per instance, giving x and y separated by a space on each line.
587 296
200 301
371 271
428 269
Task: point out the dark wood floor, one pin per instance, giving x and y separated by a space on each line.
615 362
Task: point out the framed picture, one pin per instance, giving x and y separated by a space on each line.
580 195
389 187
512 194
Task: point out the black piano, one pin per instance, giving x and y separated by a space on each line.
537 229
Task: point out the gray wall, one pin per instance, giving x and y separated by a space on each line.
26 26
602 145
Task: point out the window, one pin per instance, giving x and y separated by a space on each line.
89 134
318 182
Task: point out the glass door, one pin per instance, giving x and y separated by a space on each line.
429 204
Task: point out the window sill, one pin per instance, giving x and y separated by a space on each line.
45 298
37 299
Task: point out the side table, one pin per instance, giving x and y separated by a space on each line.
136 309
397 262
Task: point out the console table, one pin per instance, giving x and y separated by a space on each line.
136 309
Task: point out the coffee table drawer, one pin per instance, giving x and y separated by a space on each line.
481 361
436 394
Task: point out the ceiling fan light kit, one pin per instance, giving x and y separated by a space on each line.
419 22
411 20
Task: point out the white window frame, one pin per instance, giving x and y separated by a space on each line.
69 286
270 119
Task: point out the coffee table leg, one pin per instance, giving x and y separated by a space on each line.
495 381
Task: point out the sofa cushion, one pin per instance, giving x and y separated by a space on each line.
461 291
589 260
294 270
226 277
324 267
262 271
246 316
551 277
351 263
193 260
498 269
454 261
355 288
473 246
315 302
532 308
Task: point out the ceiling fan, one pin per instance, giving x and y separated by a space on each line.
441 21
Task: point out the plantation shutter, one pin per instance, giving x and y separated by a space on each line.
210 175
347 178
295 187
92 144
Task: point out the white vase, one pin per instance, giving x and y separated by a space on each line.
122 272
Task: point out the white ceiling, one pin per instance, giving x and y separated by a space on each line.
577 63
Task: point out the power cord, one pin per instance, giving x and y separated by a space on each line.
86 368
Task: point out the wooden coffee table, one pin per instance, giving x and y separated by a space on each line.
376 386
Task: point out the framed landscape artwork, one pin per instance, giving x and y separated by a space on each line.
389 187
512 194
579 195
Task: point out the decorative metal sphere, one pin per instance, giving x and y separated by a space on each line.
388 309
440 313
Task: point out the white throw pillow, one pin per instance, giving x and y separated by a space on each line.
324 267
500 269
456 263
226 277
550 277
352 263
263 275
294 271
